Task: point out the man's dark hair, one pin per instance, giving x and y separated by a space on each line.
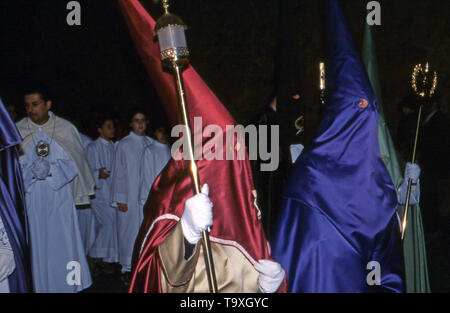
37 89
133 113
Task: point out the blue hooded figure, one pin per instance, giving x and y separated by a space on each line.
12 208
337 229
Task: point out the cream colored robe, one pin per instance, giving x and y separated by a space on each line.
234 272
67 136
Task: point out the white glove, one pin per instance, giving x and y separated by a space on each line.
197 215
271 275
412 170
40 169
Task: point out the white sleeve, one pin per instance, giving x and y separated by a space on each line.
27 174
119 184
146 176
62 172
94 163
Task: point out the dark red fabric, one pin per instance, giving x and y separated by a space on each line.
230 182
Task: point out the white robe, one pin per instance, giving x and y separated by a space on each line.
7 263
125 189
57 254
154 159
66 135
85 215
4 286
100 154
85 141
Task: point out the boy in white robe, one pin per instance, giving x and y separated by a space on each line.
100 155
154 159
125 189
85 215
56 176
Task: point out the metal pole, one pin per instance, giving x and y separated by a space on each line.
408 195
194 170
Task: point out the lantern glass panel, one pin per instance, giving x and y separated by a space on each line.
171 37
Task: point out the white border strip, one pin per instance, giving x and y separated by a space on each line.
162 217
234 244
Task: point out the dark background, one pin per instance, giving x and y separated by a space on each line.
94 67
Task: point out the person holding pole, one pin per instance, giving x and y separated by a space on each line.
168 256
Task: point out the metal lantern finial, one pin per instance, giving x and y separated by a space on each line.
165 5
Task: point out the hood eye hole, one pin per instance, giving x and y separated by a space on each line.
363 103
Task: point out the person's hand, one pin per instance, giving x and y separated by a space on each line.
103 174
197 215
412 171
122 207
41 169
271 275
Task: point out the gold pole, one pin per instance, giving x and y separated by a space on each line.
194 171
421 80
174 57
408 195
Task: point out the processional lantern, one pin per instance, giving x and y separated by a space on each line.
170 31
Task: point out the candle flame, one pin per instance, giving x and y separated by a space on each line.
322 75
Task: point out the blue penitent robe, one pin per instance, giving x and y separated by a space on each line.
337 229
154 159
13 225
100 154
125 189
58 259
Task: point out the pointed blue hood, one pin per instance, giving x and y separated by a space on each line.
348 81
12 203
345 155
